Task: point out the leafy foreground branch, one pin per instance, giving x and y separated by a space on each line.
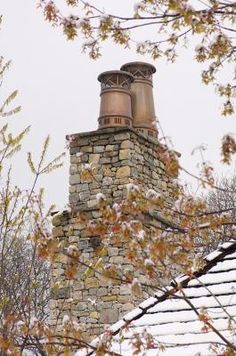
173 23
24 278
159 240
151 254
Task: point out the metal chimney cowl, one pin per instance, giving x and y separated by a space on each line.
143 110
115 106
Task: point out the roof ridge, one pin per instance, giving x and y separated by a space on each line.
211 259
180 282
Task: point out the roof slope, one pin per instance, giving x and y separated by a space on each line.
172 321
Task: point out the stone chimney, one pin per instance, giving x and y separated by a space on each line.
123 150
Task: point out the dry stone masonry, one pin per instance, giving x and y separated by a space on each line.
115 156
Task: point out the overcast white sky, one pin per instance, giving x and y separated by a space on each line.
59 92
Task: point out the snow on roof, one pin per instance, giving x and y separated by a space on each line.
172 320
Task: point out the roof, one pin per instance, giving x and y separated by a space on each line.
173 323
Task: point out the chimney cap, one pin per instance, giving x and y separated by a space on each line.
115 72
138 64
115 106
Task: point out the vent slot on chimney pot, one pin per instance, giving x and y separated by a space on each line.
115 107
143 110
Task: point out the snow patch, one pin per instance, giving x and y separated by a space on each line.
65 320
152 194
72 249
100 197
132 188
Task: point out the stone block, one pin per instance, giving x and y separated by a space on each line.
75 159
105 282
84 196
137 149
74 179
124 154
56 220
124 298
105 160
107 172
155 175
83 141
111 154
109 298
86 149
94 158
82 306
109 316
77 295
102 142
124 289
113 251
92 203
91 283
94 241
128 306
73 198
98 177
107 181
116 193
115 291
162 165
73 168
98 149
94 315
124 162
101 292
109 148
78 285
117 259
123 172
94 185
92 291
135 172
126 144
60 293
78 225
84 158
82 187
163 185
72 189
122 136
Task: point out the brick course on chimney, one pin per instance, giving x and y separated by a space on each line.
117 156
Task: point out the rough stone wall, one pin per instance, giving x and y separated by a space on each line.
90 299
117 157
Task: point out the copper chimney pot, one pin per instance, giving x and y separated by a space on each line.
143 110
115 107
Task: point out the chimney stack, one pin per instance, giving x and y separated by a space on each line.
107 161
143 111
115 107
